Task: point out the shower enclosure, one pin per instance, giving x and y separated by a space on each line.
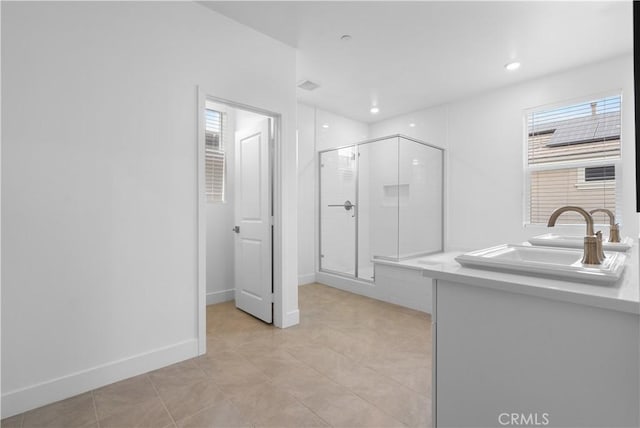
379 199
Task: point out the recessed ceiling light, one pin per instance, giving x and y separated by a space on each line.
374 110
345 37
412 125
325 125
512 66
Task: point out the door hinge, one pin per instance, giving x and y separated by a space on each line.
272 298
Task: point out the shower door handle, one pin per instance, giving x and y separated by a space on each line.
347 205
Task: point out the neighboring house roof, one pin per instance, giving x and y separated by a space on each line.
585 129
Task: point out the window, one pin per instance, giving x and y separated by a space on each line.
573 156
598 173
214 156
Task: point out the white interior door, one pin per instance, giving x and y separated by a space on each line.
253 288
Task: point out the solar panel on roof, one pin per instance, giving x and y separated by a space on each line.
603 126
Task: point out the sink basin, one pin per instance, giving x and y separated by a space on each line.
558 263
566 241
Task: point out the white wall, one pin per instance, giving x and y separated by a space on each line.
484 138
430 126
99 202
342 131
486 159
307 171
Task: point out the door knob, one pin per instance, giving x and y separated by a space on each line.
236 229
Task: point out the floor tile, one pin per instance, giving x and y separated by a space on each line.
186 400
176 375
394 399
129 392
222 414
347 410
73 412
149 413
267 405
12 422
230 369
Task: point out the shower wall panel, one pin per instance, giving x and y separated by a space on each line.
419 207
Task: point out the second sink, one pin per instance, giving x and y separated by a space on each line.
567 241
558 263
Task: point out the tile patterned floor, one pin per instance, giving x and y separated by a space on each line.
352 362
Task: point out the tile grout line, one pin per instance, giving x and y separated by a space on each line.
226 397
364 364
377 407
294 397
311 410
95 407
207 408
354 338
350 389
164 406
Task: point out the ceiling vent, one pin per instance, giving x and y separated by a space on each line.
308 85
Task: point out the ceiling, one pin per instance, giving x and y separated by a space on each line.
405 56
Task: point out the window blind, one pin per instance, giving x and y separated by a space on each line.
214 155
573 154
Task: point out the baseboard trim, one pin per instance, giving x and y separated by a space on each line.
291 318
220 296
306 278
30 397
356 286
386 288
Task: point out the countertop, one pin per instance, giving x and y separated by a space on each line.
623 296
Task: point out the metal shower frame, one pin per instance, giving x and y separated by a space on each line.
357 202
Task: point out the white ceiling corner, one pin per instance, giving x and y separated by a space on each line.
405 56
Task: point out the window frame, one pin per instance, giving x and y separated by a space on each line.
580 164
221 151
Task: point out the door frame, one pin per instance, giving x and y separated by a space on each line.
275 197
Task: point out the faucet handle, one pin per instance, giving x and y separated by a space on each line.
601 255
614 233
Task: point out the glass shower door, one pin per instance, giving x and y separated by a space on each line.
338 215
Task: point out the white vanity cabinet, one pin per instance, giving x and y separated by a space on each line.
516 350
500 355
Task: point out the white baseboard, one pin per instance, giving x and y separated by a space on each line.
30 397
306 278
291 318
220 296
398 285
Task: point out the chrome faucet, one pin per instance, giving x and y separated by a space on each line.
593 254
614 228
